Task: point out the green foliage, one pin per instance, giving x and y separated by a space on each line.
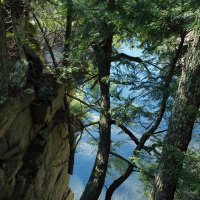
160 22
116 165
189 181
123 111
153 27
78 109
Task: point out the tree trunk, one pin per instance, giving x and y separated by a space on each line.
140 144
103 52
116 183
95 184
181 124
4 75
66 63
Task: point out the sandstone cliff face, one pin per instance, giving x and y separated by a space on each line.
34 147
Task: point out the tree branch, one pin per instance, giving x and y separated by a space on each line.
122 56
45 39
127 131
152 130
83 102
120 157
85 126
116 183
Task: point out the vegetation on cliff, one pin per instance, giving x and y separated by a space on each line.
133 63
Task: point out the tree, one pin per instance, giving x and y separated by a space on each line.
181 124
188 186
147 30
4 70
172 17
102 52
91 64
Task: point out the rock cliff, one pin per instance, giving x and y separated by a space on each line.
34 146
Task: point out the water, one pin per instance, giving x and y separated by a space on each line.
132 188
86 153
84 160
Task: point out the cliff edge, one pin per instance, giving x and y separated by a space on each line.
34 146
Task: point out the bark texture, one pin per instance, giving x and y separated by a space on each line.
103 52
181 124
4 79
97 178
140 143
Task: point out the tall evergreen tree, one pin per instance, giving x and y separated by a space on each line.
102 52
181 124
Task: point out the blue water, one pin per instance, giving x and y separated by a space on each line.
132 188
84 160
86 153
85 157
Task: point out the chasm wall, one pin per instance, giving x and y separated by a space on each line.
34 146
